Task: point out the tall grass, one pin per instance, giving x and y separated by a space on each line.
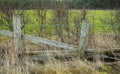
10 64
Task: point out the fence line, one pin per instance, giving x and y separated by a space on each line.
9 33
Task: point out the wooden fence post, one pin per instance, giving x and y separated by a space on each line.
17 33
84 38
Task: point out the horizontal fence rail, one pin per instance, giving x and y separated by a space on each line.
6 33
49 42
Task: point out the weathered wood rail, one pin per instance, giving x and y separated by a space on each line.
39 40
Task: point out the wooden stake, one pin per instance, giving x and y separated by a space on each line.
84 38
17 32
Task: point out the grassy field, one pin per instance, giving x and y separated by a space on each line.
94 16
32 20
98 15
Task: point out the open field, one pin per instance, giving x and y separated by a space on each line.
94 16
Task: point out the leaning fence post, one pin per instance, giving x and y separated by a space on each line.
17 33
84 38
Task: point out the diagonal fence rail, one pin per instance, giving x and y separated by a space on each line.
39 40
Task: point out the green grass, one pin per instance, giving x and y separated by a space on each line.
98 16
32 20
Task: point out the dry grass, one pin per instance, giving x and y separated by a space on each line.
9 64
73 67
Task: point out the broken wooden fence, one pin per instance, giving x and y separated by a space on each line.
68 48
17 36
